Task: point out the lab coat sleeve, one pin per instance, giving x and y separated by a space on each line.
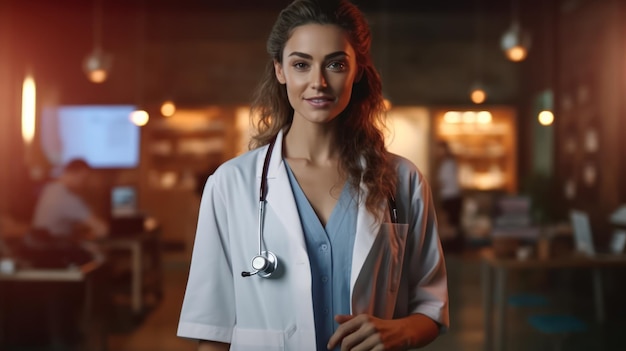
208 310
427 271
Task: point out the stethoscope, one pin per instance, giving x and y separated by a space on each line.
265 262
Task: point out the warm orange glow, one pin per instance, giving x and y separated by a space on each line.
478 96
545 118
97 76
484 117
452 117
139 117
468 117
97 66
29 103
168 108
387 104
516 53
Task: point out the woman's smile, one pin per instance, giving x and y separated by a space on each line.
321 102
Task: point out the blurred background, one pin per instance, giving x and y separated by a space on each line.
528 95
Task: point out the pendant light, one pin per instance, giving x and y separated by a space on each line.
478 95
477 92
140 117
515 42
98 63
546 115
168 106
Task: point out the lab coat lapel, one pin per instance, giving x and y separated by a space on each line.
367 229
281 202
280 196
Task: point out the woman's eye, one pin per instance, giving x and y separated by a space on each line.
300 65
337 66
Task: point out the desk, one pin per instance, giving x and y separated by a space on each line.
494 280
80 274
135 244
52 275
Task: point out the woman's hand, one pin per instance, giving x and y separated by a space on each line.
365 332
204 345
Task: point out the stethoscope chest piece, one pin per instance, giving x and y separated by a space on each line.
265 264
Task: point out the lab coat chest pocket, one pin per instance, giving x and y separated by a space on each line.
391 241
245 339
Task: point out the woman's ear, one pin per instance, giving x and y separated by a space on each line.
280 74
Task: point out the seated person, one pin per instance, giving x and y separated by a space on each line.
63 227
60 210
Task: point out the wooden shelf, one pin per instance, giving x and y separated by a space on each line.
486 152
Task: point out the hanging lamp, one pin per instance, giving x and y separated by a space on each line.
477 91
515 42
140 116
97 63
546 115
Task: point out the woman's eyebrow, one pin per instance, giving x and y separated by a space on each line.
329 56
337 54
300 54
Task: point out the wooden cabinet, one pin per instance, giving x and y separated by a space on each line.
484 143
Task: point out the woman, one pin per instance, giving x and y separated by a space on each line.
355 260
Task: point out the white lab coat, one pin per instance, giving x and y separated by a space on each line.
396 269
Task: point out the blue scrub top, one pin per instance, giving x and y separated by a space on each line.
330 255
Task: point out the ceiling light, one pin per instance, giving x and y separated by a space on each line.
515 42
168 108
478 95
97 65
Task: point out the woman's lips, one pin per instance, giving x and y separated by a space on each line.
320 102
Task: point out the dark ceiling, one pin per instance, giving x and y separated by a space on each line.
448 6
210 41
423 6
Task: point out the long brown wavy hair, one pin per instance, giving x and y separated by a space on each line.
360 126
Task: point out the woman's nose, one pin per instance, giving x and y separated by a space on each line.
318 79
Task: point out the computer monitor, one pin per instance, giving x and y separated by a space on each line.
618 217
583 237
103 135
123 201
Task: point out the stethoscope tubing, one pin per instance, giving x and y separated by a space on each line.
263 193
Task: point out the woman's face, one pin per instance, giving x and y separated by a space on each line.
318 69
